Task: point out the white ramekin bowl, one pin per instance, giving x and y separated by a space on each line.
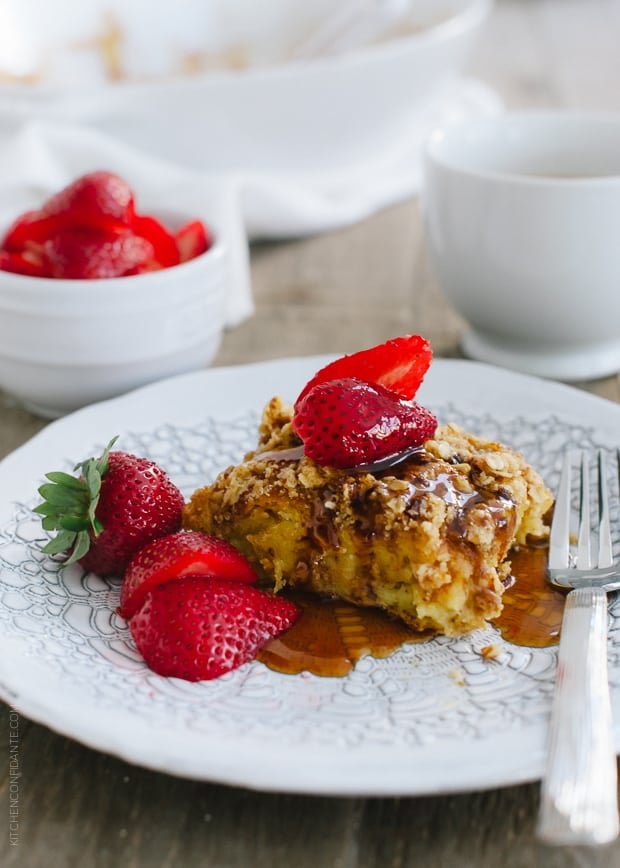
67 343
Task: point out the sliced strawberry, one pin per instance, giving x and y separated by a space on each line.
88 254
99 200
38 230
90 229
21 231
94 200
347 422
23 263
398 365
186 553
144 267
200 628
164 243
192 240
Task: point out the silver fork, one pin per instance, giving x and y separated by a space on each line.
579 798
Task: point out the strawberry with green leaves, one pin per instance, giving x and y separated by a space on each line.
117 504
190 598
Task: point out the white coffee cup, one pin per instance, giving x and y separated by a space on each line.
522 215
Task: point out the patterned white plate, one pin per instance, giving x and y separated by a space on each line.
400 726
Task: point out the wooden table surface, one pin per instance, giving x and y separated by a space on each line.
335 292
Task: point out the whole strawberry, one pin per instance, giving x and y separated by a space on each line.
347 422
117 504
199 628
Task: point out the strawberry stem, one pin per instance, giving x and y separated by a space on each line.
69 506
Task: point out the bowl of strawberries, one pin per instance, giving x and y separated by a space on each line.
97 298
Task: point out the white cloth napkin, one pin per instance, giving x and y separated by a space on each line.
292 204
38 157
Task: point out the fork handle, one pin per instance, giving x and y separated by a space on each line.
579 798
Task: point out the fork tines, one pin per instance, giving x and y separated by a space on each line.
576 550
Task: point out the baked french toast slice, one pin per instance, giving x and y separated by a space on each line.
427 540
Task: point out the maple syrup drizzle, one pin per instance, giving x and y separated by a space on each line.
533 608
294 453
331 636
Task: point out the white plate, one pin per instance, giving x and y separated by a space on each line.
400 726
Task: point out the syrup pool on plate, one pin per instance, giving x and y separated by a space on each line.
332 635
